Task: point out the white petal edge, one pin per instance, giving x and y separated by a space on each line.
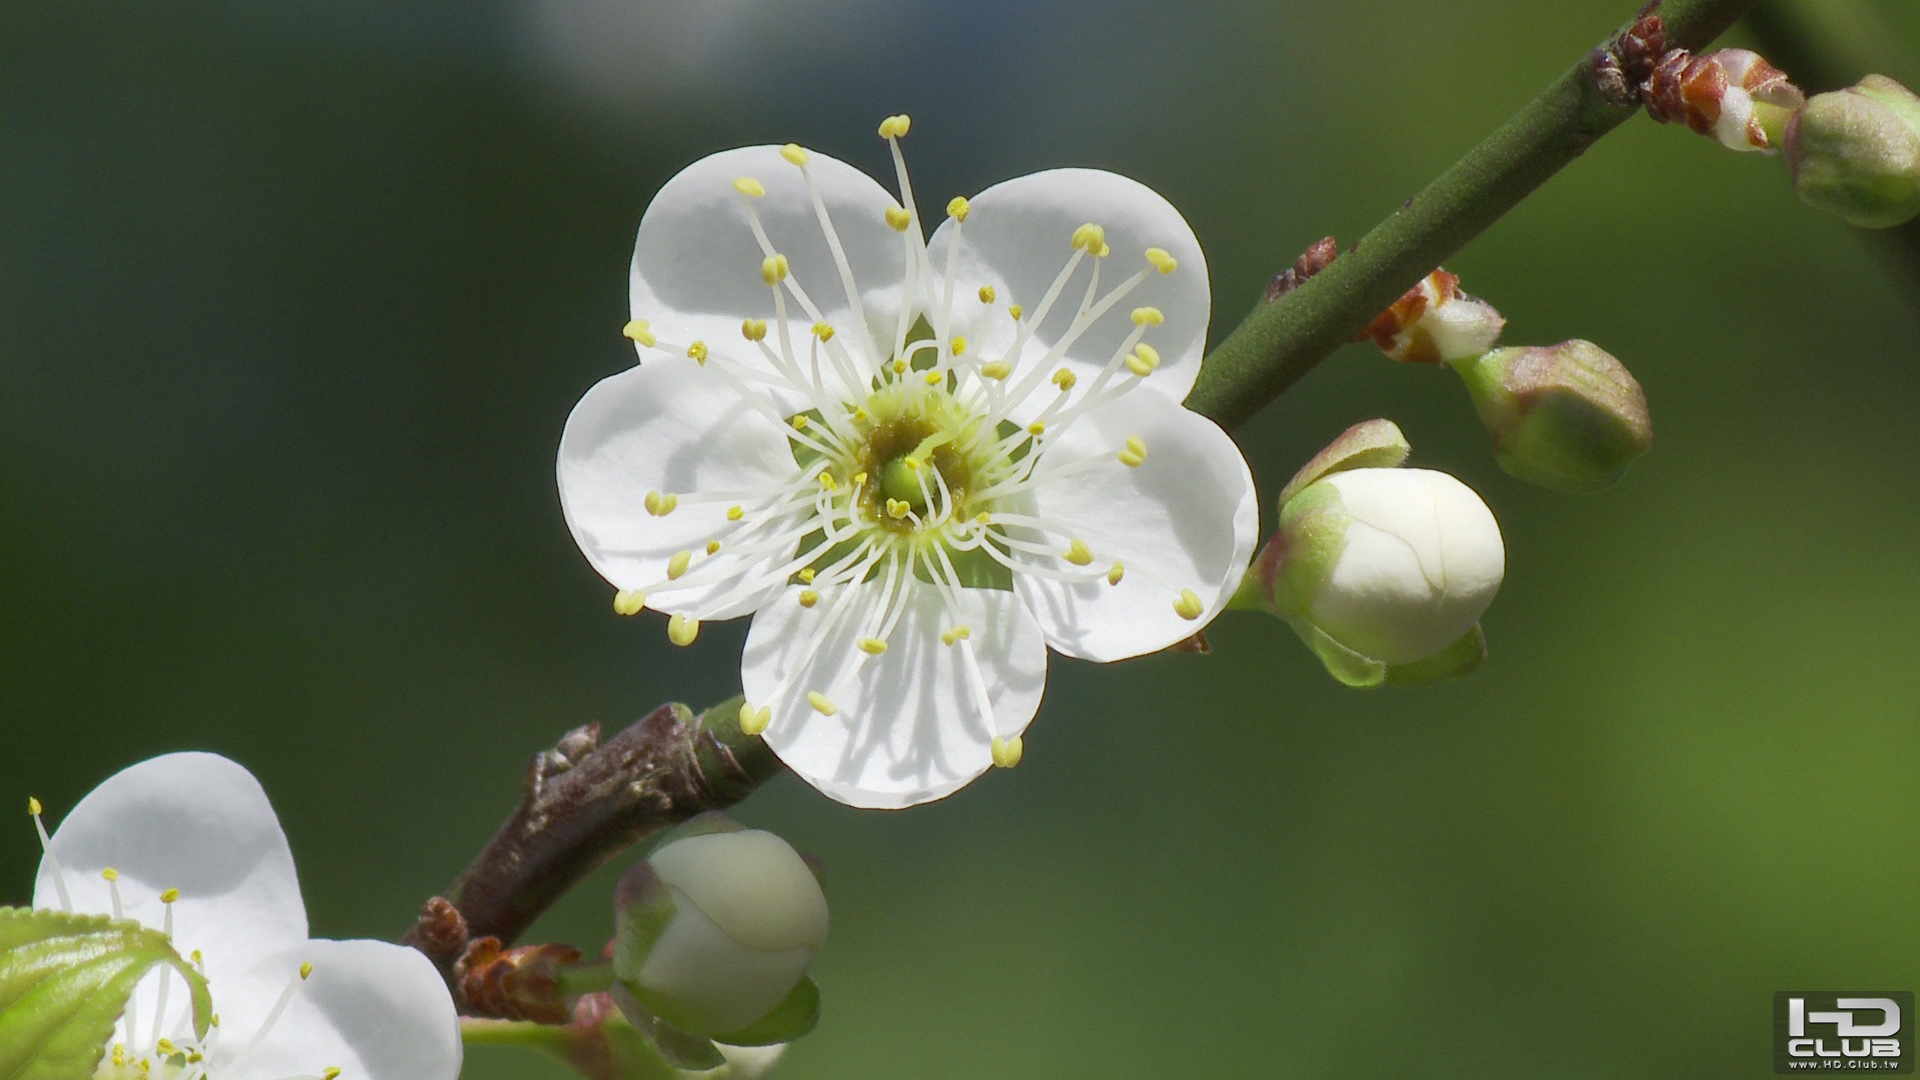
907 729
1185 519
696 263
374 1010
1017 238
191 821
670 426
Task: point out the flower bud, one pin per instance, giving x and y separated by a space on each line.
1856 152
716 929
1384 572
1434 321
1569 416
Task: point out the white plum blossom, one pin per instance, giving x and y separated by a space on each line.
188 844
916 462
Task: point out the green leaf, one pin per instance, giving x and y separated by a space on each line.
65 979
792 1018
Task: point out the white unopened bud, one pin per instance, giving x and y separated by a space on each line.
1393 565
717 929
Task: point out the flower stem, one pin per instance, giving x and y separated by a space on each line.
1280 342
587 978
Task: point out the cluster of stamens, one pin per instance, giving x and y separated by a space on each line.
909 466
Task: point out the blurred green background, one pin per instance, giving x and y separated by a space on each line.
298 296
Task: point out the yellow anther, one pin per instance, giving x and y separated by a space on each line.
698 352
773 269
1016 311
860 417
677 565
807 574
682 630
794 154
898 219
214 1020
166 1046
1130 459
808 598
629 602
1135 453
958 207
933 377
823 331
196 957
120 1054
639 330
1148 316
986 294
959 344
169 896
1115 573
898 508
899 367
1143 359
748 186
754 721
1006 752
735 513
1162 261
332 1072
820 703
828 483
754 329
110 874
895 127
872 646
799 422
1078 553
996 369
33 806
306 969
858 479
1091 239
1037 428
1136 444
955 633
1064 379
983 518
1188 606
713 547
660 503
195 1057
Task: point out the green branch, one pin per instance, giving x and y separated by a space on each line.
1282 341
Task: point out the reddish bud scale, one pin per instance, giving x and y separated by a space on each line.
1311 261
1699 91
514 984
441 932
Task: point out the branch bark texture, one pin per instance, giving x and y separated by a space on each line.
584 802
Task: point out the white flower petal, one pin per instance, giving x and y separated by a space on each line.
195 822
907 728
1185 519
696 263
675 427
1017 238
373 1010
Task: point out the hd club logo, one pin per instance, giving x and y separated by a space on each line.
1843 1031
